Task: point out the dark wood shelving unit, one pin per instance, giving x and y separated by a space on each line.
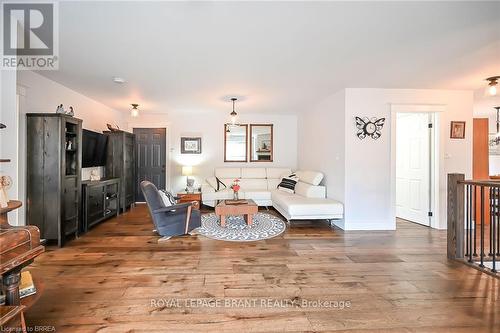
54 174
120 163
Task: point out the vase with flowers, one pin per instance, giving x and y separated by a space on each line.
235 187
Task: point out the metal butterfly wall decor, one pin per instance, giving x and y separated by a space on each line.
369 127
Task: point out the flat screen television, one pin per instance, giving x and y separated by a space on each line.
94 146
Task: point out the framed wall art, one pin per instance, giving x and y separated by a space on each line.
190 145
457 130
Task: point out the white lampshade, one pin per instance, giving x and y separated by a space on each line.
187 170
492 90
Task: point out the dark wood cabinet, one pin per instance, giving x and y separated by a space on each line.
53 164
100 201
120 163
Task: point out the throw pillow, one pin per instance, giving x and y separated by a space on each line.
220 184
212 181
216 183
167 198
288 183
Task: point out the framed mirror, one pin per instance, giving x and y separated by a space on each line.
235 143
261 143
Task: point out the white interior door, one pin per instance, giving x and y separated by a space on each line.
413 167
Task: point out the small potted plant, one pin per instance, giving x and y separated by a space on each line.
235 187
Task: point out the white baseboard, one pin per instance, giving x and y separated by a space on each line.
367 225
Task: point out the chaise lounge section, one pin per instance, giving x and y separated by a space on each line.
260 184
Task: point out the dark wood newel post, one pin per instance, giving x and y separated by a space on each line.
456 198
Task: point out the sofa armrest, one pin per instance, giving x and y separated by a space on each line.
173 208
206 188
310 191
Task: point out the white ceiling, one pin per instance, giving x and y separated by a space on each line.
279 56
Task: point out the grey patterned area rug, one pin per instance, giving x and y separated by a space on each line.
264 226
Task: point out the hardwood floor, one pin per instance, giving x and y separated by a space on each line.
118 278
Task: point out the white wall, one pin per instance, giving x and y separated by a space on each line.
8 146
376 197
41 95
322 143
211 129
369 185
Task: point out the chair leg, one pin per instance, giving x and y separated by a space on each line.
193 232
164 239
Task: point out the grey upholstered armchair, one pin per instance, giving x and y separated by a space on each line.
173 220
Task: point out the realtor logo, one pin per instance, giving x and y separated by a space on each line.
30 34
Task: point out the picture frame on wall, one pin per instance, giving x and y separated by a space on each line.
457 130
190 145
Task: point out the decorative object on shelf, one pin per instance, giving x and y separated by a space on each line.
70 112
369 127
191 145
457 130
188 171
116 128
5 184
236 188
495 140
60 109
94 175
492 85
72 167
135 111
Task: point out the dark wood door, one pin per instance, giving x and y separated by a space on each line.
150 158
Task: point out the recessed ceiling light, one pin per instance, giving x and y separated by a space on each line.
118 80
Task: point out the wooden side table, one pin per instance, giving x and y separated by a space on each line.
190 197
20 246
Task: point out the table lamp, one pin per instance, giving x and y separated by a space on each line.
188 171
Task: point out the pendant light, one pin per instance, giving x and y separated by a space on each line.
496 140
135 111
233 114
492 85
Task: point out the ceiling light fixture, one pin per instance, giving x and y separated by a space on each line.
233 114
496 140
493 82
135 111
118 80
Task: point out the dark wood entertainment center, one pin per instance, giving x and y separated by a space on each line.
58 202
100 201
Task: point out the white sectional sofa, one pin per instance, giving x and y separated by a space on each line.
260 184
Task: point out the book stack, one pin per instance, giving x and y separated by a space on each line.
26 286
